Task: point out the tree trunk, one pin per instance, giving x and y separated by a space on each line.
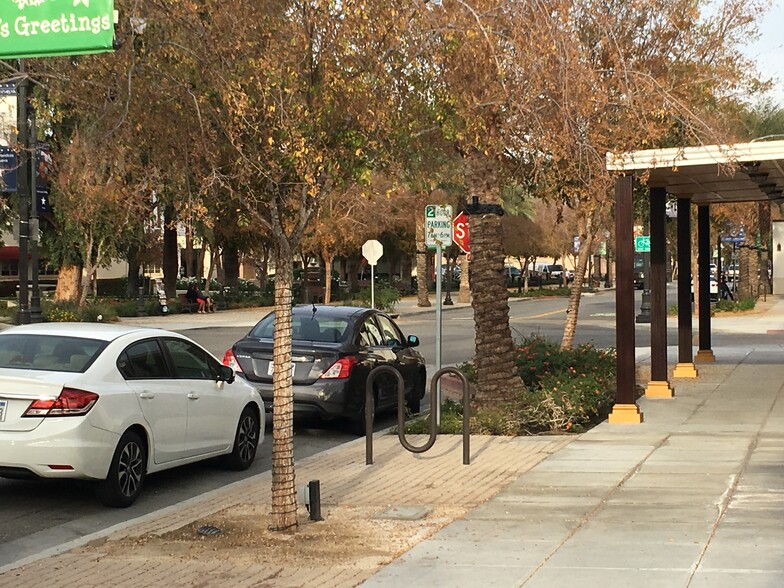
170 253
231 266
87 271
284 492
423 299
133 273
405 272
764 228
575 294
464 295
498 380
329 258
352 264
190 258
68 283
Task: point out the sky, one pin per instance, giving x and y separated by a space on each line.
768 51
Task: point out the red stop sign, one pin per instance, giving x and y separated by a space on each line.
460 232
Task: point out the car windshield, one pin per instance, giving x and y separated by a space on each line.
306 327
48 352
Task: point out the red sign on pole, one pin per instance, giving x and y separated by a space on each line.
460 232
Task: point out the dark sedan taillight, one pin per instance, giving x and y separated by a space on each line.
230 360
70 402
340 369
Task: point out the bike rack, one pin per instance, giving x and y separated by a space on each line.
401 412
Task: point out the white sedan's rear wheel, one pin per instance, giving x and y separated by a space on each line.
124 482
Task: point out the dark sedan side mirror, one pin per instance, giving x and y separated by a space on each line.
413 341
226 374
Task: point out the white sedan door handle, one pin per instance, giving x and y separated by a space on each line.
146 394
193 396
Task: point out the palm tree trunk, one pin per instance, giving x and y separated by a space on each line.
284 494
465 285
498 379
423 298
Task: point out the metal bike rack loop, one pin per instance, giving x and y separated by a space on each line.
401 412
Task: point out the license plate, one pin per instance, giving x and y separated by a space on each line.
3 408
271 369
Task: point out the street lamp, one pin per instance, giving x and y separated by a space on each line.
23 187
448 296
35 296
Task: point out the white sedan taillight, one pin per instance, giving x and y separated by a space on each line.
340 369
71 402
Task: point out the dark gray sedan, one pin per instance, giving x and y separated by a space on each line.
334 348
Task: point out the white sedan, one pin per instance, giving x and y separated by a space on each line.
113 403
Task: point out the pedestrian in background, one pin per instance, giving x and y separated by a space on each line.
194 295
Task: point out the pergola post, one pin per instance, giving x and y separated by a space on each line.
704 353
685 366
625 409
658 387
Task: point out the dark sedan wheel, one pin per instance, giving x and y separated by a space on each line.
246 441
126 476
414 401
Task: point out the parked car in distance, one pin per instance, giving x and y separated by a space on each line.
334 348
714 288
639 271
732 270
112 403
512 274
556 272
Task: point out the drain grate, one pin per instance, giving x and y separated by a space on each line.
208 530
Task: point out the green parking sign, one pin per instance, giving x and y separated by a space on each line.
642 244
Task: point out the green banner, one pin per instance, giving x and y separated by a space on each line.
41 28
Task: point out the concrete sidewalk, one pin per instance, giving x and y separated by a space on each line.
693 497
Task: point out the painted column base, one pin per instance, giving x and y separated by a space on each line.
704 356
625 414
684 370
659 390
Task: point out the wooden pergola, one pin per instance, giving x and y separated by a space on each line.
747 172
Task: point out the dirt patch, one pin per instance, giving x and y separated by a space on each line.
348 537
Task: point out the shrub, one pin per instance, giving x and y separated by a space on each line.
538 291
96 313
386 298
566 391
735 305
60 312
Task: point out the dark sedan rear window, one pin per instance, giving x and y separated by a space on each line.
48 352
324 329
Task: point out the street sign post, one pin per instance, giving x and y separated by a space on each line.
460 234
438 225
372 250
438 234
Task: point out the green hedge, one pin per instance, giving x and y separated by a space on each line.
566 391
